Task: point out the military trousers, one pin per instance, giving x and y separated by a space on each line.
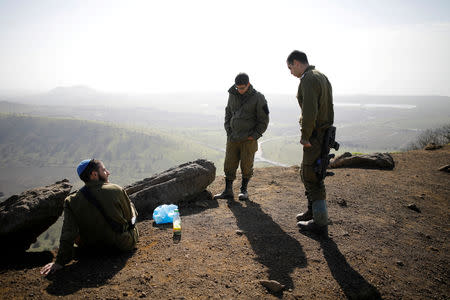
314 187
243 152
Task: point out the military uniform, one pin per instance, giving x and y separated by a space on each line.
316 102
82 219
245 115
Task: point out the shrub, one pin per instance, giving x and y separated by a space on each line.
439 136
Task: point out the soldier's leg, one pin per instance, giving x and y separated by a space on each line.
248 150
314 187
232 156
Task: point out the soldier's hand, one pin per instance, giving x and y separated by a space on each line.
305 143
250 138
50 268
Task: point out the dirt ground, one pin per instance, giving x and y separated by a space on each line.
378 248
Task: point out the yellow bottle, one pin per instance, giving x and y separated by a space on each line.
176 222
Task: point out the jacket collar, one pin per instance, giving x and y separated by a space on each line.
309 68
232 90
94 183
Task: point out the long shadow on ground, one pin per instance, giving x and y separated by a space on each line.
274 248
88 272
351 282
25 260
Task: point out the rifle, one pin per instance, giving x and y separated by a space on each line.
329 142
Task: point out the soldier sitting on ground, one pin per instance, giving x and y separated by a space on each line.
99 217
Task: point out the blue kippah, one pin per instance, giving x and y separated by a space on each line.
82 166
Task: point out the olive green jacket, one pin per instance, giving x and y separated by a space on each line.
246 115
84 221
315 98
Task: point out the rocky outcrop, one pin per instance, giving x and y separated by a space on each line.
24 217
382 161
182 183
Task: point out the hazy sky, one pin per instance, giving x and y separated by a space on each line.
369 47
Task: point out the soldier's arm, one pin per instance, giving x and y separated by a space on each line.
129 207
262 118
310 92
69 233
228 118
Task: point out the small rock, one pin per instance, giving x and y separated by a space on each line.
445 168
414 207
142 295
272 285
400 263
239 232
346 233
342 202
432 146
434 249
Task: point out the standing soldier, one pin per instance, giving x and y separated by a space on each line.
316 102
246 119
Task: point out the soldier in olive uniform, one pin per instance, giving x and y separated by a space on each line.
316 102
110 227
246 119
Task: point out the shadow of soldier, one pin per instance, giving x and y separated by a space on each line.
274 248
24 260
88 271
351 282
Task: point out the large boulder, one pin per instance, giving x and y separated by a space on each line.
26 216
382 161
182 183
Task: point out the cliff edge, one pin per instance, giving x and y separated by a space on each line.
389 239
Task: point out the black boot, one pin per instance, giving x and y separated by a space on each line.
319 222
243 195
313 227
227 192
306 216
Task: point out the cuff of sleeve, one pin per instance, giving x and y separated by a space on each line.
256 135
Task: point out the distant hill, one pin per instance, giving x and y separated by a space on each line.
73 91
41 148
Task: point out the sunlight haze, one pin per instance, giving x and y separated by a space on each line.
364 47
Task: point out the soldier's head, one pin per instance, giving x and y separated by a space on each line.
297 62
92 170
242 83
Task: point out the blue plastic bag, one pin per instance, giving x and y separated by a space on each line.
164 213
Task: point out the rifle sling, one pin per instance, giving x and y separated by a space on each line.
115 226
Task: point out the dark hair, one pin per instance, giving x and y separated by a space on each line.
297 55
93 165
241 79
